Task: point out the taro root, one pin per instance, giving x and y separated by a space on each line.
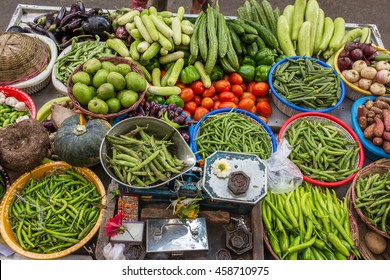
23 145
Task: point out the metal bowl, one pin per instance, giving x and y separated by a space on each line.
158 128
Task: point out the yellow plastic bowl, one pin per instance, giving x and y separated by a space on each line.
5 226
352 86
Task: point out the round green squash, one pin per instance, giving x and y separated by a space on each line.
77 142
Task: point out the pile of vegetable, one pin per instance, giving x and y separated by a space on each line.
107 87
54 212
321 150
364 67
374 121
66 25
140 160
305 83
373 198
232 132
308 223
12 110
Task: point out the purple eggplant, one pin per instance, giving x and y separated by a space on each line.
184 133
121 33
147 108
171 107
97 25
48 124
180 119
179 111
140 111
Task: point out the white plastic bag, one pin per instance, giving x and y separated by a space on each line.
114 252
283 174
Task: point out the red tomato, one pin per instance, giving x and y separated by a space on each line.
235 100
197 99
243 85
226 96
216 105
200 112
190 106
235 79
227 105
215 98
263 98
250 85
237 90
248 95
260 89
209 92
223 85
197 87
207 102
264 108
188 113
180 85
186 94
253 110
246 104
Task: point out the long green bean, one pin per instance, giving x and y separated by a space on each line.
235 133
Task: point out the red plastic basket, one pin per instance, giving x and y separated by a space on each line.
349 133
22 96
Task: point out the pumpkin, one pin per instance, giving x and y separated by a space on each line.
77 141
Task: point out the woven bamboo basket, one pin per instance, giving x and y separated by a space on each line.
380 167
363 229
115 60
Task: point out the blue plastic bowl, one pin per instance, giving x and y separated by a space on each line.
226 110
289 108
370 150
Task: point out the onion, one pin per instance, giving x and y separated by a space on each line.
344 63
371 57
344 53
350 46
368 50
382 65
383 76
356 54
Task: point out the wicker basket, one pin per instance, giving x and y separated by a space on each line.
363 229
115 60
354 92
380 167
349 134
43 78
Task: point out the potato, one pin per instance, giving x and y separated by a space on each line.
386 146
379 127
375 242
369 131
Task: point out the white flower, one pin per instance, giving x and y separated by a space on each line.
221 168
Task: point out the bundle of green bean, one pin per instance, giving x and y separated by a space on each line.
78 54
54 212
9 114
232 132
309 224
373 198
321 150
305 83
140 160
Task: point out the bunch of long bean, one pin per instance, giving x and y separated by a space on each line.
54 212
233 132
373 198
8 114
78 54
305 83
321 150
139 159
308 223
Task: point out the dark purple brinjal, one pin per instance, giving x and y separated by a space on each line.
171 114
81 6
49 125
161 111
180 119
121 32
76 23
178 111
16 29
153 109
97 25
171 107
147 108
184 133
188 122
68 18
140 111
74 8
